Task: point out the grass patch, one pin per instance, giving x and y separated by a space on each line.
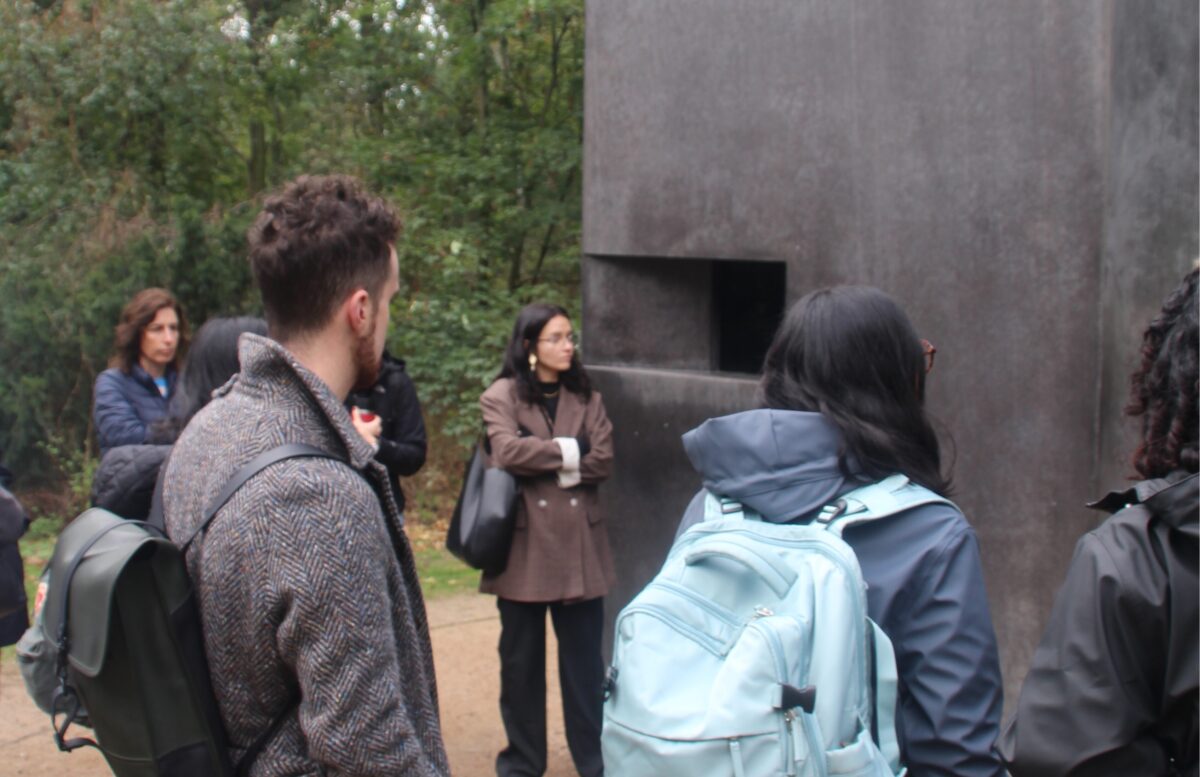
444 575
36 548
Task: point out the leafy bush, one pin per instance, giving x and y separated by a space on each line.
136 137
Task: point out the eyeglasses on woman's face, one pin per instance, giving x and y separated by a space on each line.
556 340
930 352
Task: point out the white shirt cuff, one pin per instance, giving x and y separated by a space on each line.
568 474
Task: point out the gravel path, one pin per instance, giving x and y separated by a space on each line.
465 631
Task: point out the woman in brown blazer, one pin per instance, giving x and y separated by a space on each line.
548 427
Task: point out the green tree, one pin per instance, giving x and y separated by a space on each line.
136 136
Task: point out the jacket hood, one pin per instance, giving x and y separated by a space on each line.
781 463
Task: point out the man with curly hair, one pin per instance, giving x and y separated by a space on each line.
1113 685
314 625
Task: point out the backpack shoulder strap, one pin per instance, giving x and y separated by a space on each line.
893 494
236 481
155 518
718 507
248 470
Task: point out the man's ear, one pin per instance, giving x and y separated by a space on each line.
357 309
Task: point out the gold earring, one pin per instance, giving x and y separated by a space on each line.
532 362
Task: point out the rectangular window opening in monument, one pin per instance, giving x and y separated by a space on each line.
748 300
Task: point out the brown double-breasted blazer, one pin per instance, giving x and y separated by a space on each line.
560 549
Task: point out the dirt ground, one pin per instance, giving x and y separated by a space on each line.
465 630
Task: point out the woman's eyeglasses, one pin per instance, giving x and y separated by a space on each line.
930 352
557 340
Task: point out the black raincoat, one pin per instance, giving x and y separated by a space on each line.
1113 685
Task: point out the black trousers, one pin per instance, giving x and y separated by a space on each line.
579 629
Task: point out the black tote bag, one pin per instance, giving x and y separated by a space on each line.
482 527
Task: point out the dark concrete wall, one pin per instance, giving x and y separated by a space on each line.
961 156
649 410
1152 207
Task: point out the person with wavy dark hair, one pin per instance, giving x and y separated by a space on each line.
135 391
548 427
124 480
1114 686
850 354
212 361
1163 389
843 405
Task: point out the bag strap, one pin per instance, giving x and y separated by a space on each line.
255 749
722 507
238 479
155 518
66 701
885 688
893 494
248 470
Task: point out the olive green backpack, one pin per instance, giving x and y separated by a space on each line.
126 626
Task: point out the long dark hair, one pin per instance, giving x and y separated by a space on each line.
530 322
135 317
213 360
1165 385
851 354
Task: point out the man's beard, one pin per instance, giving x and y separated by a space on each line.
367 362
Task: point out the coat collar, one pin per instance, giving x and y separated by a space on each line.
1173 499
275 370
139 374
568 418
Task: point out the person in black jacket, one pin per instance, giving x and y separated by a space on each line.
388 416
1113 685
14 610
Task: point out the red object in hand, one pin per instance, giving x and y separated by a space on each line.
366 416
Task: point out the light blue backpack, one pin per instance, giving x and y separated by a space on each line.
751 652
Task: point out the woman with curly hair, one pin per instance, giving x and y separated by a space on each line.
1113 685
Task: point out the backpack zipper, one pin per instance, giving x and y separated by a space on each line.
705 641
816 748
848 566
716 610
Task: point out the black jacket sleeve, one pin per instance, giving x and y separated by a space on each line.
13 518
402 439
124 481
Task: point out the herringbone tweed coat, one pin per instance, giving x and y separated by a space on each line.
304 582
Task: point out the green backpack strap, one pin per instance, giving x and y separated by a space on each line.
248 470
893 494
66 702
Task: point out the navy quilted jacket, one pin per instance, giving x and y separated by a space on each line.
125 405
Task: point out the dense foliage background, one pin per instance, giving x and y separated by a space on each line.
136 137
